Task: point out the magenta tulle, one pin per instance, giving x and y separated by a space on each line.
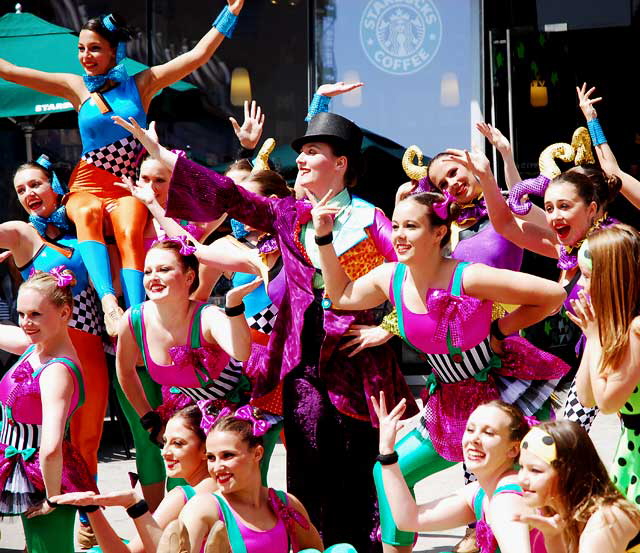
523 360
485 540
172 403
75 476
448 408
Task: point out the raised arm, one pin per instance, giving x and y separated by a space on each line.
502 144
200 194
610 387
526 234
64 85
13 339
440 514
158 77
370 290
230 329
537 297
630 185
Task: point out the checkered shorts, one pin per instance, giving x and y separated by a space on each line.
264 320
87 314
576 412
118 158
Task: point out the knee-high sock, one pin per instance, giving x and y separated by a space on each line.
417 460
96 259
132 286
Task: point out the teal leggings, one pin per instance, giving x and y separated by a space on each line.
417 459
149 461
52 533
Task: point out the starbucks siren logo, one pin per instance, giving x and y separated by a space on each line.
400 36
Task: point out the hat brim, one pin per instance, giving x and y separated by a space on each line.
298 143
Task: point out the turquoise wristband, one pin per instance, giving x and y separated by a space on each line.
226 22
319 104
596 132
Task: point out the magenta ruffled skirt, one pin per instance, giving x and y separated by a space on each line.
446 411
22 484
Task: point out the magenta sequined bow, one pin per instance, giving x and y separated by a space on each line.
63 279
453 310
199 359
485 540
209 419
179 153
260 426
531 420
441 209
289 516
186 248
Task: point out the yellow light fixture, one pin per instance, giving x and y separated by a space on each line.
449 90
539 95
240 86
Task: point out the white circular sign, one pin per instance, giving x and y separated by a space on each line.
400 36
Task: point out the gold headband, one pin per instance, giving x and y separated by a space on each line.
415 171
540 443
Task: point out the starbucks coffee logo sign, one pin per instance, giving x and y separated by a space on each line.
400 36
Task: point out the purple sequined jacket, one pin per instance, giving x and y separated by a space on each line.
201 194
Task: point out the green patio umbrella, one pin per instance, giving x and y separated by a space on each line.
30 41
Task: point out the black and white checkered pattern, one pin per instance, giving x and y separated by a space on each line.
117 158
264 320
468 476
87 314
576 412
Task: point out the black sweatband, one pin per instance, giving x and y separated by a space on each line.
138 509
496 332
234 311
388 458
324 240
51 504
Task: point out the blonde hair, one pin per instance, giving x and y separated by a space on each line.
47 285
615 290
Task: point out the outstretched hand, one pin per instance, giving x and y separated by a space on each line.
334 89
235 6
148 138
389 422
586 102
550 526
585 316
474 161
365 336
140 190
235 295
322 214
251 130
405 190
493 135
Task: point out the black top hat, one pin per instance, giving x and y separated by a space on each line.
334 129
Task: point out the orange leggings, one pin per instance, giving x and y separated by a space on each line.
92 191
87 422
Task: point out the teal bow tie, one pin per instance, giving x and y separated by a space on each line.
26 453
